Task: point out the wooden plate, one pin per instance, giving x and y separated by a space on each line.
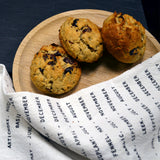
47 32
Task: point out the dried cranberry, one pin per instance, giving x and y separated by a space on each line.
69 69
87 29
51 81
133 51
57 54
121 16
75 22
68 60
52 56
45 57
52 63
53 44
41 70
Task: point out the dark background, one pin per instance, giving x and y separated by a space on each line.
18 17
152 13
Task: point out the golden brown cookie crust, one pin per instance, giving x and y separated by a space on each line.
81 39
124 37
53 72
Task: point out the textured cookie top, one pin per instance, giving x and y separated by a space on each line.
81 39
53 71
124 37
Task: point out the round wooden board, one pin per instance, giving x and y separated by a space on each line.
47 32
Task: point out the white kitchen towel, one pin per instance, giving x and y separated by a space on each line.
117 119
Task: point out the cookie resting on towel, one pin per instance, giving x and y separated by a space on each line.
53 72
124 37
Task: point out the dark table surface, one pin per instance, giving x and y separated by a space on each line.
18 17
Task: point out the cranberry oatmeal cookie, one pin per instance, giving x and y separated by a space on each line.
124 37
81 39
53 72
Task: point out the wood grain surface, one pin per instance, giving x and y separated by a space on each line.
47 32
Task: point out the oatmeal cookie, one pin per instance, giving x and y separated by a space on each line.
124 37
53 72
81 39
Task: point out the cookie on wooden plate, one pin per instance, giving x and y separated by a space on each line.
124 37
53 72
81 39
